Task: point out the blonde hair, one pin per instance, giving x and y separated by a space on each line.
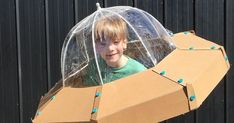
111 27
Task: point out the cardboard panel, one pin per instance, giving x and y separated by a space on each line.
188 40
187 65
69 105
142 97
155 110
208 80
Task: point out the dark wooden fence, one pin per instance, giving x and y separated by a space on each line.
32 34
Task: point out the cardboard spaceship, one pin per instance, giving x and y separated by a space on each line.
176 85
182 71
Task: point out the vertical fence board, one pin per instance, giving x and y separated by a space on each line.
9 100
210 20
109 3
60 19
185 118
154 7
83 8
230 53
33 56
179 15
210 25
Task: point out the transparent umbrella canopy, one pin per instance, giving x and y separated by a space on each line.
147 42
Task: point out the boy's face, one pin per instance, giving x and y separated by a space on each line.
111 50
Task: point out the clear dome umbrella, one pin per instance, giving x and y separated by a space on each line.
147 42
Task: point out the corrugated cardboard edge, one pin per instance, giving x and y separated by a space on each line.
96 104
225 56
190 93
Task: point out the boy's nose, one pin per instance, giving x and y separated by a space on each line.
110 47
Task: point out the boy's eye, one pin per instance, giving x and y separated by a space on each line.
102 43
116 42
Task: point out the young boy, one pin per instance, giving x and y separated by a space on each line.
111 41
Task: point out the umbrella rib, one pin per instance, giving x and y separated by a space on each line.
155 61
149 19
95 53
64 49
63 59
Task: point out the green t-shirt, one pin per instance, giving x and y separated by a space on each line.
110 74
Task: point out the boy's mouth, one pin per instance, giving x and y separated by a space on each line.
110 55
